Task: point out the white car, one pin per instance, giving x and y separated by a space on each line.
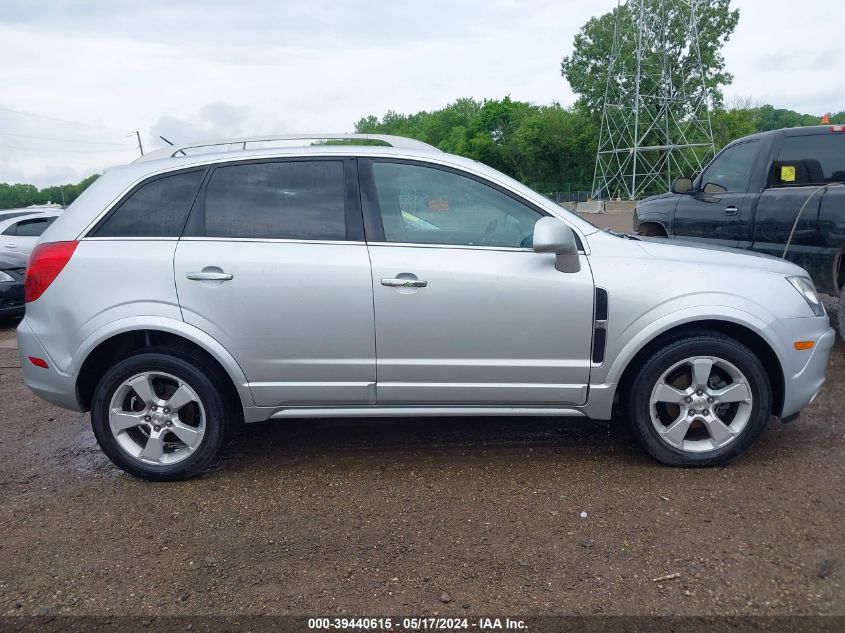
19 233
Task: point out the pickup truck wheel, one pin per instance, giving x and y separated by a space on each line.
159 415
700 401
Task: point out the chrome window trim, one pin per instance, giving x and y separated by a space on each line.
129 239
271 240
513 249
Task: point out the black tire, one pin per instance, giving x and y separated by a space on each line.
663 358
840 314
207 385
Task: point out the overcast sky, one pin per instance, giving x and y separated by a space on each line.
212 68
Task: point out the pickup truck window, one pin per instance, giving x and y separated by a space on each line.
732 168
810 160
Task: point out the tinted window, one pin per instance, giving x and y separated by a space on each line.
156 209
732 168
425 205
31 228
301 200
816 159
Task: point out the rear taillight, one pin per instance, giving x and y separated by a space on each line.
45 264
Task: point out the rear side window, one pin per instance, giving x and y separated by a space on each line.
810 160
302 200
157 208
29 228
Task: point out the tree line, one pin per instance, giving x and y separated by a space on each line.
19 195
548 147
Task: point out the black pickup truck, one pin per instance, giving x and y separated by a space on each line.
750 195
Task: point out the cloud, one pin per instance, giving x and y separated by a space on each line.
201 69
215 120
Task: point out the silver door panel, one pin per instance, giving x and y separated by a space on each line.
297 316
490 327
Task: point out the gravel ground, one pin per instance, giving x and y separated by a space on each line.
458 516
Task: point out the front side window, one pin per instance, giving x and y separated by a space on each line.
299 200
425 205
731 169
157 208
815 159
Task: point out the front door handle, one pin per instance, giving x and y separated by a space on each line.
209 276
731 210
404 283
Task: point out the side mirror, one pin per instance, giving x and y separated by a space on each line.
682 185
712 187
552 235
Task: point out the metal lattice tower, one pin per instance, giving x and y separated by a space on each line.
655 123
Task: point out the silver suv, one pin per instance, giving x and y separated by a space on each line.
247 280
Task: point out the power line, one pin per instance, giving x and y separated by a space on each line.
51 118
45 150
66 140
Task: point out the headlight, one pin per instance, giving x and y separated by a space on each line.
807 290
6 277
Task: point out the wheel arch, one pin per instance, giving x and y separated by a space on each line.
128 338
742 333
652 228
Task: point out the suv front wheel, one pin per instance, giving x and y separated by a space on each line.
700 401
159 415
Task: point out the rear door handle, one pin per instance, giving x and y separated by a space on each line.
731 210
404 283
209 276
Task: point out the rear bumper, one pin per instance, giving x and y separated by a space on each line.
48 383
804 371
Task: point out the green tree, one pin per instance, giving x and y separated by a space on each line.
547 147
586 69
14 196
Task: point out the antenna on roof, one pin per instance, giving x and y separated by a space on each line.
140 147
170 143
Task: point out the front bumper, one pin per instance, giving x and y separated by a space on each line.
48 383
803 371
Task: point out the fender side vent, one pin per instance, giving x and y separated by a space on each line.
600 326
599 343
601 304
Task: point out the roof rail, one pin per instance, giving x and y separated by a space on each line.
393 141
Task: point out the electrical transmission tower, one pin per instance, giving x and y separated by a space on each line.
655 123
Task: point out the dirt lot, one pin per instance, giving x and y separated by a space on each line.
458 516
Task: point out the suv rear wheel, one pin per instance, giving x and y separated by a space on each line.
159 415
700 401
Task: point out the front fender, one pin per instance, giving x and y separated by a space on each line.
605 380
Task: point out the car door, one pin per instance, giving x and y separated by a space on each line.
273 265
804 163
465 312
719 210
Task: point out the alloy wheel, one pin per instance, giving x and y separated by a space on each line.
700 404
157 418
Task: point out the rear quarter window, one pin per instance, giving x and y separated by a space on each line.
157 208
815 159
